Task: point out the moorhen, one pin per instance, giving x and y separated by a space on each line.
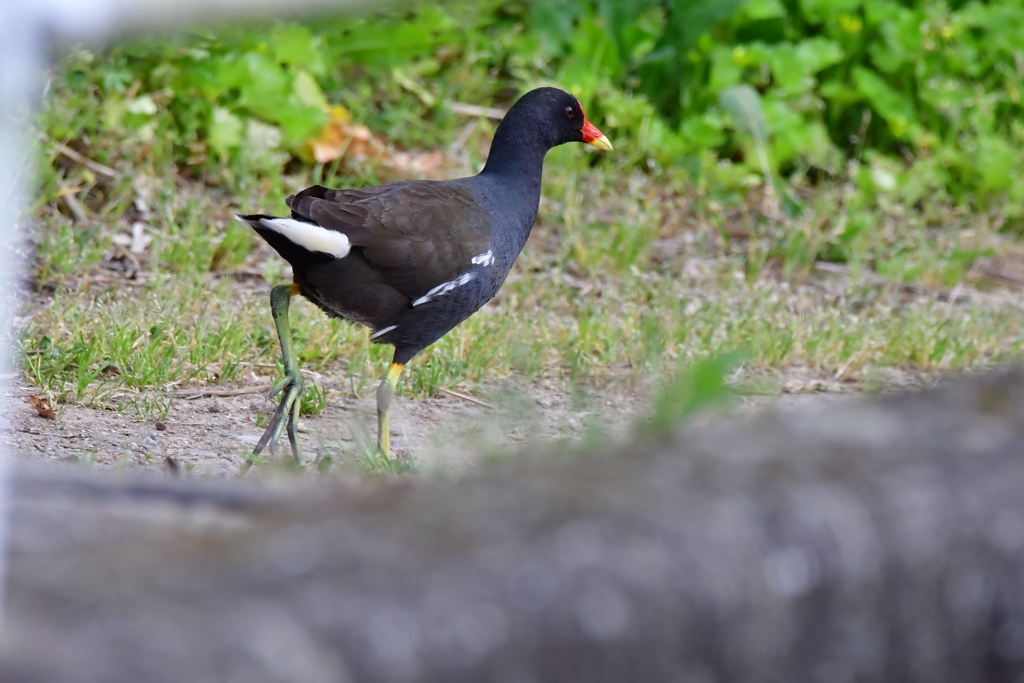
413 259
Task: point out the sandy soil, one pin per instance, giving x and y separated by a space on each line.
211 435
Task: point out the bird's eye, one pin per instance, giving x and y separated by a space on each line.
569 113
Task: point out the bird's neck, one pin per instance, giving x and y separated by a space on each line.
513 171
516 152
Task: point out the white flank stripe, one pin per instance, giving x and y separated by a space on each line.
309 236
444 288
383 331
484 259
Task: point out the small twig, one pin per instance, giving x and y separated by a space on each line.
465 397
33 432
271 366
103 280
176 423
94 166
239 273
78 211
459 145
475 110
202 393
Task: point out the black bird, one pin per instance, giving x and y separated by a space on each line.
411 260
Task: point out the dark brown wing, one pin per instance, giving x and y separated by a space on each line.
417 234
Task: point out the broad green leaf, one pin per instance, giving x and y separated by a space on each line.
838 92
225 131
998 162
897 109
725 72
764 9
788 70
294 45
554 20
744 105
880 11
818 53
298 122
266 84
703 131
691 18
308 92
817 11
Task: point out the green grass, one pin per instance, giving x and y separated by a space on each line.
631 274
600 296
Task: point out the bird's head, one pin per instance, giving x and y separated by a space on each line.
558 118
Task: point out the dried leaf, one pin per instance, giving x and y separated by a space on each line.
42 407
352 143
332 142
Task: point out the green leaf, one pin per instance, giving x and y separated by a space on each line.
789 70
764 9
817 11
308 92
818 53
695 388
880 11
703 131
998 164
225 131
668 72
744 105
895 108
725 71
298 122
837 92
689 19
554 20
294 45
265 82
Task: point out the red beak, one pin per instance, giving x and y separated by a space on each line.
592 136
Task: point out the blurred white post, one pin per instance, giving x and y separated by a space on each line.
22 50
30 32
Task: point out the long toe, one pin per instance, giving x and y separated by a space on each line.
286 416
273 430
293 428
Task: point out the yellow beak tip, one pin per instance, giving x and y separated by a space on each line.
602 143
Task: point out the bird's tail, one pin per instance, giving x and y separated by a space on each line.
297 239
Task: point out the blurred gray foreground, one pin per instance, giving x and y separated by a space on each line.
877 541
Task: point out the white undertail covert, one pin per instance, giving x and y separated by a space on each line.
309 236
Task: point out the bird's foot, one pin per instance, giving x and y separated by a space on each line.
286 418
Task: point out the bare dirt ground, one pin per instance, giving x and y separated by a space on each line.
211 435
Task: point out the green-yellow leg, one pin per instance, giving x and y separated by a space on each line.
287 413
385 392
